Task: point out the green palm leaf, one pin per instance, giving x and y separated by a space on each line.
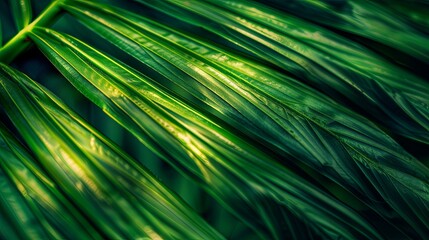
244 179
415 12
21 11
328 61
363 18
217 89
301 123
32 201
120 198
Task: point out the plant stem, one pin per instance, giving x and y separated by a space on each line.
20 42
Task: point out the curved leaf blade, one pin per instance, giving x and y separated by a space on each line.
32 200
415 12
363 18
296 120
123 200
22 13
335 65
245 180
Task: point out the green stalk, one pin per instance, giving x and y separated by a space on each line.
20 42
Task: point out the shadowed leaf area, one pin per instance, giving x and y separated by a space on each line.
214 119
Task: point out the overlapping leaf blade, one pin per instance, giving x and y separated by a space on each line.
332 63
120 198
244 179
16 212
296 120
31 200
363 18
205 110
415 12
21 11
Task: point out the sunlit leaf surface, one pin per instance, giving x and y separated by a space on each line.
339 144
121 199
271 119
334 64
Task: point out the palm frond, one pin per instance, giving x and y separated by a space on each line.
225 165
301 123
264 117
363 18
119 197
21 11
31 200
328 61
415 12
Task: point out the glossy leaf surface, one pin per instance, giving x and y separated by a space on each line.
334 64
246 180
21 11
120 198
32 201
363 18
302 123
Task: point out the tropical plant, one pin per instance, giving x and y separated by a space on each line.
274 123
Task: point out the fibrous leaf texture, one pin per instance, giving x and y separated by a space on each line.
298 119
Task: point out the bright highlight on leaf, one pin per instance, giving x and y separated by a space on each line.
242 178
302 123
32 201
275 118
121 199
334 64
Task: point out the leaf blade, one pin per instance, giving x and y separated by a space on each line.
42 212
394 96
22 13
205 151
363 18
308 126
101 179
